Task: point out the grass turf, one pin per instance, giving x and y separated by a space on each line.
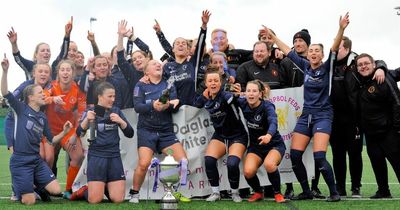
368 189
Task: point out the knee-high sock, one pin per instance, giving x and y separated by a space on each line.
212 170
254 183
233 171
275 179
326 171
72 172
296 156
315 181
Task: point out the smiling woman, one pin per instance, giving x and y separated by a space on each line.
26 166
65 102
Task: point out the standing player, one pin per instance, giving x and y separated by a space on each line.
155 128
66 102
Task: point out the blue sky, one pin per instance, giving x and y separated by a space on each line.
374 26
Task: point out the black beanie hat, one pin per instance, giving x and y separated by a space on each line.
303 34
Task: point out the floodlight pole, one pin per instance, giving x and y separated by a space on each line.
92 19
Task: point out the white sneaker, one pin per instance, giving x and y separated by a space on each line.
134 198
213 197
236 197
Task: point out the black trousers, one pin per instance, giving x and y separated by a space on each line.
380 147
343 143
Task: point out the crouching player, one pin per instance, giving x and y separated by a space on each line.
105 172
27 168
266 144
229 137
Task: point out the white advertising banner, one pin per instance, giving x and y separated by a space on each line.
194 129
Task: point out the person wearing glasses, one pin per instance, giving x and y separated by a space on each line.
316 118
346 137
379 116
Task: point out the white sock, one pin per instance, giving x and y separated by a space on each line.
215 189
235 191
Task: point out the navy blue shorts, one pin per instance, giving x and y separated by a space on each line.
229 140
105 169
311 123
29 171
155 140
263 150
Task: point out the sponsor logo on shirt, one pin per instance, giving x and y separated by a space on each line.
254 126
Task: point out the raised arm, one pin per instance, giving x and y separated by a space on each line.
64 47
343 23
25 64
163 41
124 65
122 32
281 45
12 36
4 84
92 40
198 53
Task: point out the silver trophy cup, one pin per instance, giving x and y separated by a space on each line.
169 175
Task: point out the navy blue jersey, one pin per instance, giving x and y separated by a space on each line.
143 98
27 65
107 139
316 82
9 119
260 121
131 74
183 74
140 44
224 113
126 91
91 97
30 128
165 44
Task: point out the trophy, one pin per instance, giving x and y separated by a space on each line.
169 175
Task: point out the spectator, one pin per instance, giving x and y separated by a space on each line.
346 134
261 68
378 105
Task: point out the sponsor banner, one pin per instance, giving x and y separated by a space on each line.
194 129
